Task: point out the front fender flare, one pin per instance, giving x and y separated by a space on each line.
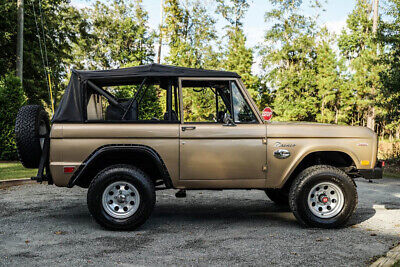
301 156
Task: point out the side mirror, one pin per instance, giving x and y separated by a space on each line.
228 121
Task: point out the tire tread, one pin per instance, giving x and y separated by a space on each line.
298 184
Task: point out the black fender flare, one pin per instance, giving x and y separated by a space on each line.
112 148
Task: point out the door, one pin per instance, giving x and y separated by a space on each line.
210 148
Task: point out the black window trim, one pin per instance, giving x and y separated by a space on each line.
109 96
230 81
247 102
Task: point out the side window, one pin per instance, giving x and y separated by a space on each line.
132 103
241 109
205 101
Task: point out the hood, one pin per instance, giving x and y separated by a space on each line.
315 130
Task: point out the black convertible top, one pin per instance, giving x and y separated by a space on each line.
71 107
128 75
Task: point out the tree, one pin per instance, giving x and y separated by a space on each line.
189 31
11 99
289 55
115 34
190 34
360 47
55 20
390 95
331 84
237 57
112 35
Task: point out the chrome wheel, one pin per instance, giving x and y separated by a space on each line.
120 200
325 200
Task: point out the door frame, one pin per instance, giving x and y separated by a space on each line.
240 85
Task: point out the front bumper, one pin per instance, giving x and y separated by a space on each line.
375 173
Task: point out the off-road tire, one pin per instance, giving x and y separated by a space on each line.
278 196
27 125
132 175
302 185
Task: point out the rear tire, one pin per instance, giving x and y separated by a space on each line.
278 196
121 197
323 196
31 127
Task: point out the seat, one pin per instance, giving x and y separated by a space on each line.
114 113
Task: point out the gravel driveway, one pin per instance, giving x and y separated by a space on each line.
45 225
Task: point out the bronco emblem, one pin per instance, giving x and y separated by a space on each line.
279 144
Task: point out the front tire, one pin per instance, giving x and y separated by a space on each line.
323 196
121 197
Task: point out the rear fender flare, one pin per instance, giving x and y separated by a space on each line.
103 150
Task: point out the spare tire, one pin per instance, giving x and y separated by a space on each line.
31 127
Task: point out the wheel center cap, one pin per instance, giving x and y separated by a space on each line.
121 198
324 199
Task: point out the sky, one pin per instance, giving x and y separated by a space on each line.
254 26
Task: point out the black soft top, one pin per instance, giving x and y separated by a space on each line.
71 107
133 74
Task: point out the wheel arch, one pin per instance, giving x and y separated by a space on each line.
140 156
333 157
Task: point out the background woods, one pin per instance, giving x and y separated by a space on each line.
306 72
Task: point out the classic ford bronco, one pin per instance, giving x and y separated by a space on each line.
126 133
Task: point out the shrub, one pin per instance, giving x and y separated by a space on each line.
11 99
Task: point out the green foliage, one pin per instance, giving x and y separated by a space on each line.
237 57
116 34
289 56
390 92
310 81
11 99
361 48
113 34
304 76
59 21
189 32
333 91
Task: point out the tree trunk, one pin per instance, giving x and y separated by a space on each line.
336 115
375 17
20 40
160 37
371 110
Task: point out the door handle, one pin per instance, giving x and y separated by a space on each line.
184 128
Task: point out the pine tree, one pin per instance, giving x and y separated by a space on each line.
360 47
330 82
390 95
237 57
288 56
113 35
189 31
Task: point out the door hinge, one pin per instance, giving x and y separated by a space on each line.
264 168
264 141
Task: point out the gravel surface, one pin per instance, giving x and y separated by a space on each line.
44 225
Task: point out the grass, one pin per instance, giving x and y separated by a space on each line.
15 170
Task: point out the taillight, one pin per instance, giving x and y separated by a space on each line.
69 169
